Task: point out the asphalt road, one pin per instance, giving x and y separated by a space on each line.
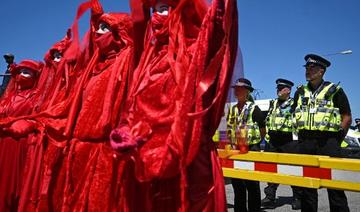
284 198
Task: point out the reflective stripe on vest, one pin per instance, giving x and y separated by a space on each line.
317 111
243 120
279 117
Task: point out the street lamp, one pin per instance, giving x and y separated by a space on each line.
349 51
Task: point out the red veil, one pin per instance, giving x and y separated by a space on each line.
176 102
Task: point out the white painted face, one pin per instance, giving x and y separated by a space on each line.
26 73
161 8
57 56
103 28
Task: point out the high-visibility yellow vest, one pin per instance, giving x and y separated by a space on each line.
216 136
354 134
279 117
238 120
344 144
316 111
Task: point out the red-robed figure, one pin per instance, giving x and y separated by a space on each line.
84 175
19 100
55 84
58 76
176 101
32 132
93 175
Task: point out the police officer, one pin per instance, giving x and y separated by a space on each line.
279 137
322 116
245 114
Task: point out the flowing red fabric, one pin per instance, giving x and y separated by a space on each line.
62 75
180 87
92 172
56 91
54 74
79 171
13 138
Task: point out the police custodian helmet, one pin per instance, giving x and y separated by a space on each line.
317 60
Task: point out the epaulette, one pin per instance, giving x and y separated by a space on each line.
271 105
332 90
300 89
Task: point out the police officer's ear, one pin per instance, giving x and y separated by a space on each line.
250 97
322 71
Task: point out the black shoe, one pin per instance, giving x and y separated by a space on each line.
296 204
268 203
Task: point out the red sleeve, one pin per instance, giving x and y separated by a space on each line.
201 76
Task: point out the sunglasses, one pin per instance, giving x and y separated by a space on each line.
312 65
280 87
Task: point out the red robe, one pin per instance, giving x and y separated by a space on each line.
93 176
84 175
13 148
55 80
176 102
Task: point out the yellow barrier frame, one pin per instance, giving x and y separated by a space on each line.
351 165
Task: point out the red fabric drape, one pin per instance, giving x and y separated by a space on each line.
77 169
14 146
180 87
58 82
54 73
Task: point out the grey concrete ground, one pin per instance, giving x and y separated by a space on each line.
284 199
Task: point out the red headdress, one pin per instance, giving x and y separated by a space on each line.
60 46
152 3
112 95
35 66
120 23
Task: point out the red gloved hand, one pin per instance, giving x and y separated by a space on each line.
124 139
121 140
21 128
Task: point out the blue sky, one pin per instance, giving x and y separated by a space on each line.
274 36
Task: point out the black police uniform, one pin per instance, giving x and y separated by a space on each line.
240 186
281 142
323 143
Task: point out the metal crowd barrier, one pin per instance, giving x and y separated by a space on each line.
292 169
